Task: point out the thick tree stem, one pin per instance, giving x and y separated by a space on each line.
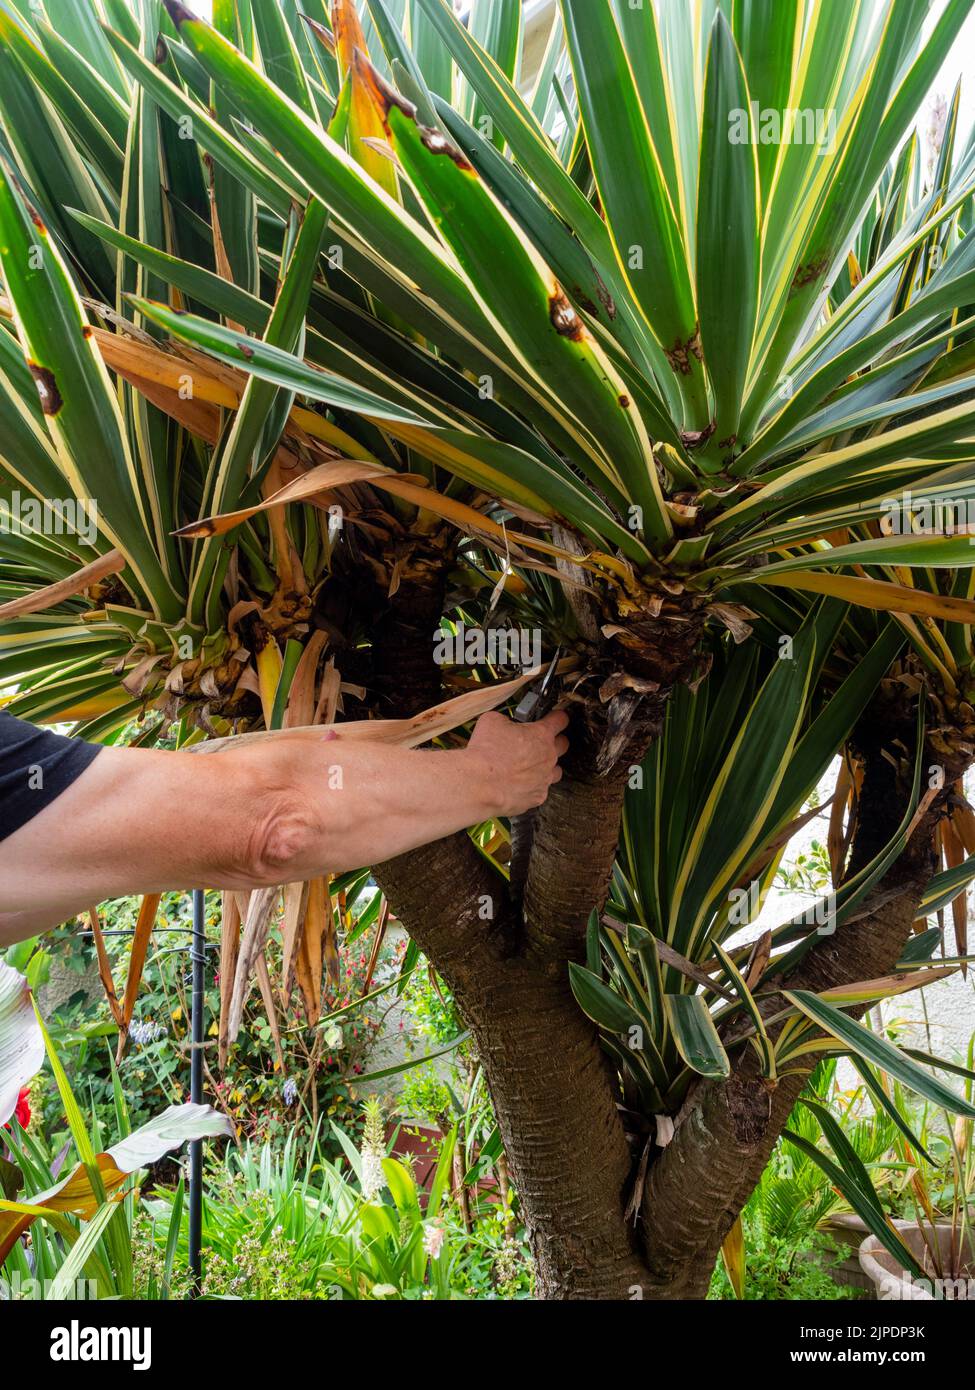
553 1091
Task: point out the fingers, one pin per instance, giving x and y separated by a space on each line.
555 722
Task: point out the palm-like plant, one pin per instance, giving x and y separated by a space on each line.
352 325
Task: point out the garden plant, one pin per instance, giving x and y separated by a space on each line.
334 338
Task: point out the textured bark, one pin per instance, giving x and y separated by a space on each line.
727 1131
552 1091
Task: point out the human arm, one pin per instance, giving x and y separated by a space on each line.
279 810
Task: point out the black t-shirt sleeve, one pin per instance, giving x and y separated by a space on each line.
35 767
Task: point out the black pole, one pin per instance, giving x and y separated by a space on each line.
198 957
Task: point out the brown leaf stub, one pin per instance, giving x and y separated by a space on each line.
178 12
197 530
323 36
679 356
437 143
693 439
565 320
47 388
384 95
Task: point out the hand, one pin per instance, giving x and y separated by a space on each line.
518 762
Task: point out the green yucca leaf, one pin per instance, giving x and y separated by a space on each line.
280 57
883 1102
270 363
98 144
922 946
876 1049
941 1063
212 137
99 97
575 270
602 1004
397 50
766 36
501 100
727 233
204 285
80 408
911 550
723 839
61 178
890 461
532 315
79 26
850 1160
833 725
942 889
27 452
883 112
696 1036
938 299
862 1203
640 35
646 233
326 168
763 1043
512 473
256 429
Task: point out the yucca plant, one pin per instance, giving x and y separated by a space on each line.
631 324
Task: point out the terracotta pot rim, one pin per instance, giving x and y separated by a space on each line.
899 1278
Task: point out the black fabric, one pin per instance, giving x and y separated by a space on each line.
35 767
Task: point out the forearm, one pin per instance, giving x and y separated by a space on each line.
281 810
375 802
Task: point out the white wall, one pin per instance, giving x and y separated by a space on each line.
950 1003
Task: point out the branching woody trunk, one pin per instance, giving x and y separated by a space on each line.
552 1088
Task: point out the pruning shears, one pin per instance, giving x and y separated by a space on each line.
539 698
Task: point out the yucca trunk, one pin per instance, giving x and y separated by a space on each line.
555 1094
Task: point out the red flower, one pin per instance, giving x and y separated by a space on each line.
22 1108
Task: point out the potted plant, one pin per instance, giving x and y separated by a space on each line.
940 1238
